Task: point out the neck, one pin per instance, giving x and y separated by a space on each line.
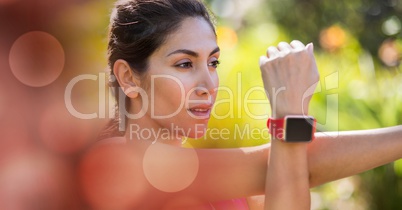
139 130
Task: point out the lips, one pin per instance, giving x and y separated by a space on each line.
200 111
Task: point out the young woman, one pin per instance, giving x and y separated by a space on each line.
163 57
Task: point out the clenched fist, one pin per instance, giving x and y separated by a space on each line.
290 75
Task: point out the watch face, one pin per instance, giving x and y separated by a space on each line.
299 129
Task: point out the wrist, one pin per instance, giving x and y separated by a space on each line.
281 109
292 128
284 113
293 149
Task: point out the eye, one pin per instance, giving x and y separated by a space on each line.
185 65
214 64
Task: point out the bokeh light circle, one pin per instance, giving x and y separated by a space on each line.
34 180
227 37
36 59
170 170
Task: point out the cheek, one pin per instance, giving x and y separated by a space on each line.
168 92
216 80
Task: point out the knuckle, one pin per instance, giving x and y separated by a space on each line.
296 41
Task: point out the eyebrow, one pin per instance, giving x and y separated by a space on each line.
191 53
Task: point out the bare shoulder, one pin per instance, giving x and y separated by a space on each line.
111 175
119 174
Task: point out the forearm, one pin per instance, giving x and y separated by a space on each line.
287 183
231 173
352 152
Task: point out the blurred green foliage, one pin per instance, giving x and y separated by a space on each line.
370 21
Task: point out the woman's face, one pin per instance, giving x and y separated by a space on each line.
183 81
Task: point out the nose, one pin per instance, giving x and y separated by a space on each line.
207 82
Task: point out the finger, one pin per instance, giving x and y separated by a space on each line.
297 45
310 48
263 60
284 47
272 52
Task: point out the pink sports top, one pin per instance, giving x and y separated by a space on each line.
234 204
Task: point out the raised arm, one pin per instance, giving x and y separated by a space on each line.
287 182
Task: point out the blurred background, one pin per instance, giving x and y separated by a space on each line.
50 49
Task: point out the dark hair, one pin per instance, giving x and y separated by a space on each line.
137 29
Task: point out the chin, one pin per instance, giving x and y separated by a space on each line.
196 136
196 131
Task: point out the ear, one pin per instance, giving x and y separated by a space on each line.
127 80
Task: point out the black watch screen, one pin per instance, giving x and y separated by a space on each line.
299 129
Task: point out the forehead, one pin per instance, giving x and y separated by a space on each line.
194 34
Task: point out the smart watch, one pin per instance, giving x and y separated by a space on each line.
293 128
